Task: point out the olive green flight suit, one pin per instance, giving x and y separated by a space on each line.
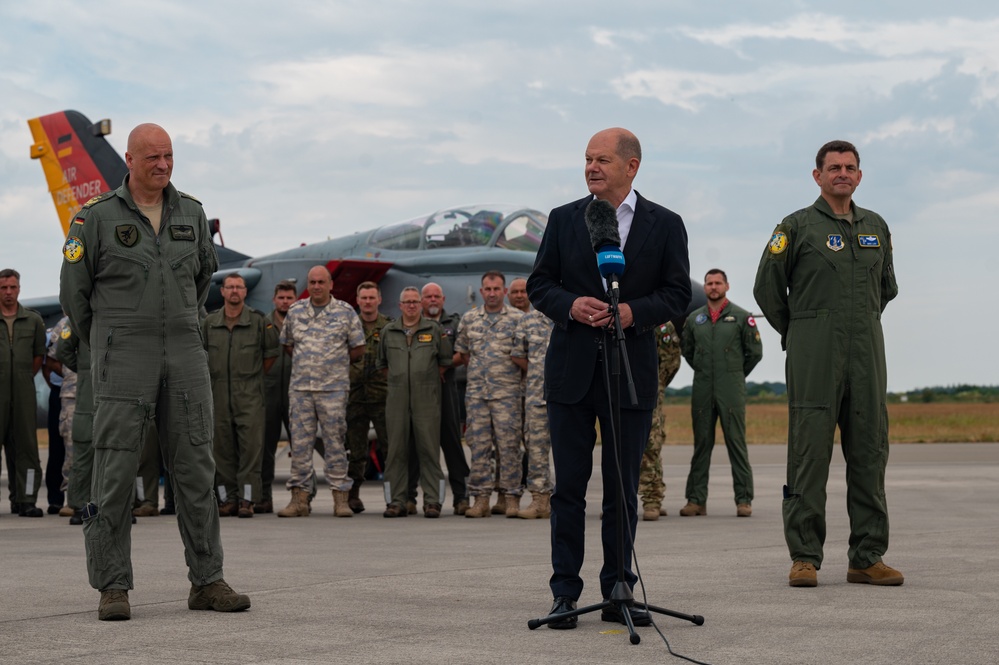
722 355
135 296
75 354
822 284
17 400
236 365
366 403
276 383
413 404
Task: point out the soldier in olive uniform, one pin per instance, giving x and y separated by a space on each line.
651 487
414 352
324 336
22 349
492 397
530 347
276 383
366 400
825 278
722 345
241 345
432 298
138 264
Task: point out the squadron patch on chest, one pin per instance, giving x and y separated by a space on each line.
869 240
182 232
424 338
73 249
127 234
701 318
835 242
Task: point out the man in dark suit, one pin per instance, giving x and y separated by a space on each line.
566 286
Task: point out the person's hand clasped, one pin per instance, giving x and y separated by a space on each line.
591 312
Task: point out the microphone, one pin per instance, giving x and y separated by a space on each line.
601 222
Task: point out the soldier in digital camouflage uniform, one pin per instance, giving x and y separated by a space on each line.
241 345
493 410
138 264
324 336
75 357
651 487
67 406
366 400
530 347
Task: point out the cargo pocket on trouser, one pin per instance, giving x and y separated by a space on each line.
190 424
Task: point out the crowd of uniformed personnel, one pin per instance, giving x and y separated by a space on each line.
354 372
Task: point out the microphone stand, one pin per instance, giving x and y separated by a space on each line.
613 351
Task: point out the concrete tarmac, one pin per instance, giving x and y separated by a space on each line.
456 590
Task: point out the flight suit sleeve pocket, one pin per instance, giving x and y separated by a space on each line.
120 424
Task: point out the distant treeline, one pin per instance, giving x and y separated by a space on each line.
777 392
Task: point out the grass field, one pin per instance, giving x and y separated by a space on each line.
908 423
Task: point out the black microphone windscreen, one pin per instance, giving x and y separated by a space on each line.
601 222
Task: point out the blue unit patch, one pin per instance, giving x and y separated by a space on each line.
701 318
869 240
835 242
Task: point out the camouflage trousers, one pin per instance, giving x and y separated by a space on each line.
312 413
538 441
651 487
494 425
68 408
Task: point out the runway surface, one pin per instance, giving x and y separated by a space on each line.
457 590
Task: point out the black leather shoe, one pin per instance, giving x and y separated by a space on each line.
168 509
562 605
77 518
54 510
29 510
639 617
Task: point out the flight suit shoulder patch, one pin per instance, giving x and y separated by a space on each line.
750 321
73 249
778 242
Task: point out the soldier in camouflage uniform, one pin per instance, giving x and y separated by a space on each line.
651 487
241 345
75 357
67 406
22 349
492 397
530 347
366 401
323 336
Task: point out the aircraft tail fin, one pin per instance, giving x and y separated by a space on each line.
77 160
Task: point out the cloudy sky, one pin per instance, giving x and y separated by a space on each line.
298 121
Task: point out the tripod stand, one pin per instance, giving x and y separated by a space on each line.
613 350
